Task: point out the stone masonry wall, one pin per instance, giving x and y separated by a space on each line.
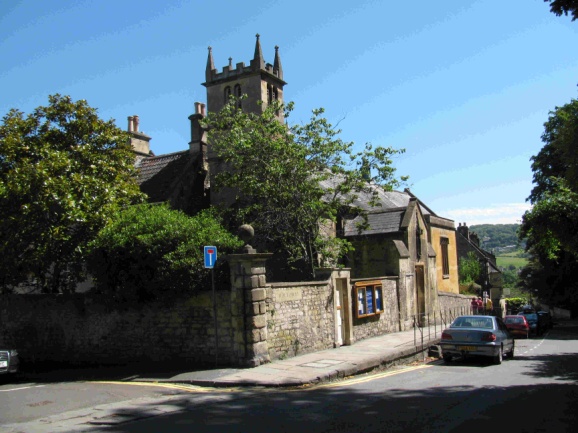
452 305
87 329
300 318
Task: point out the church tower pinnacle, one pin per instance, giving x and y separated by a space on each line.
262 82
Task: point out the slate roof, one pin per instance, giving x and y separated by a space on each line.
158 174
387 217
387 199
379 222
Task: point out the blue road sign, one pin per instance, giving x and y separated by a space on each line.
210 257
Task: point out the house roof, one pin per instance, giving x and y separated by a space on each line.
157 174
481 253
378 223
388 214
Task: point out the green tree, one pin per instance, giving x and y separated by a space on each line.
292 182
63 173
470 269
150 250
565 7
494 236
510 277
551 226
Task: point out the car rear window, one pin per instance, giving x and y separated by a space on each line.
514 320
473 322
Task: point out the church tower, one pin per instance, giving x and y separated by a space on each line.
260 81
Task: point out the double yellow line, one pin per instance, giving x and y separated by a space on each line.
341 383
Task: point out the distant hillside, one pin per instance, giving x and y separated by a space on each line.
497 237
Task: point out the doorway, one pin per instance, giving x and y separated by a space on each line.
342 312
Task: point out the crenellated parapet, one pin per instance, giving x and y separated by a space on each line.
257 64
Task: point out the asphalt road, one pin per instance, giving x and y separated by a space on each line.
537 391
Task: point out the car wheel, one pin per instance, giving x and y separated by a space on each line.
447 358
499 357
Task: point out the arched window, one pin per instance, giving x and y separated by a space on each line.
227 94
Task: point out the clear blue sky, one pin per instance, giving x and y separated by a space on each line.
463 85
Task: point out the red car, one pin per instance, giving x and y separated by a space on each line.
517 325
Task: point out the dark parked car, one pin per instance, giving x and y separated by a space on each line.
517 325
546 320
477 336
9 362
535 324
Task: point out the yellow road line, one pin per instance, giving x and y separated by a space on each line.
198 389
364 379
188 388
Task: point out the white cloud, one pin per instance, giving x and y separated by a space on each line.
502 213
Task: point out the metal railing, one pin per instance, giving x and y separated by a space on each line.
429 326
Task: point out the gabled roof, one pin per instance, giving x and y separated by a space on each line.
157 175
481 253
386 200
378 223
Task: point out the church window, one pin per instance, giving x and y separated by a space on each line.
227 94
444 242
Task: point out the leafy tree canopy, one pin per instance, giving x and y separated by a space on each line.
63 173
494 236
551 226
150 250
292 181
470 269
565 7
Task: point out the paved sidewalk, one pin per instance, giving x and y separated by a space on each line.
323 366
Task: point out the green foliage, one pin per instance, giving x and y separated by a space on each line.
148 250
497 236
470 269
510 277
514 304
63 172
294 181
551 226
565 7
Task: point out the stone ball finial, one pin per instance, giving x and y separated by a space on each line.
246 233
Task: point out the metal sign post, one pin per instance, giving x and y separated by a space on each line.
210 259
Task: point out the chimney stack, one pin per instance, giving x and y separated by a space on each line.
140 142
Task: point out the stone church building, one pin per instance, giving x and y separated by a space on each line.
403 272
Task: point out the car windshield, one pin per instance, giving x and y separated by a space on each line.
473 322
531 316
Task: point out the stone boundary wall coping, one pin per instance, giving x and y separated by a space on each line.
454 295
297 284
389 277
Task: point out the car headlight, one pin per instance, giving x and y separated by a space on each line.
13 353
